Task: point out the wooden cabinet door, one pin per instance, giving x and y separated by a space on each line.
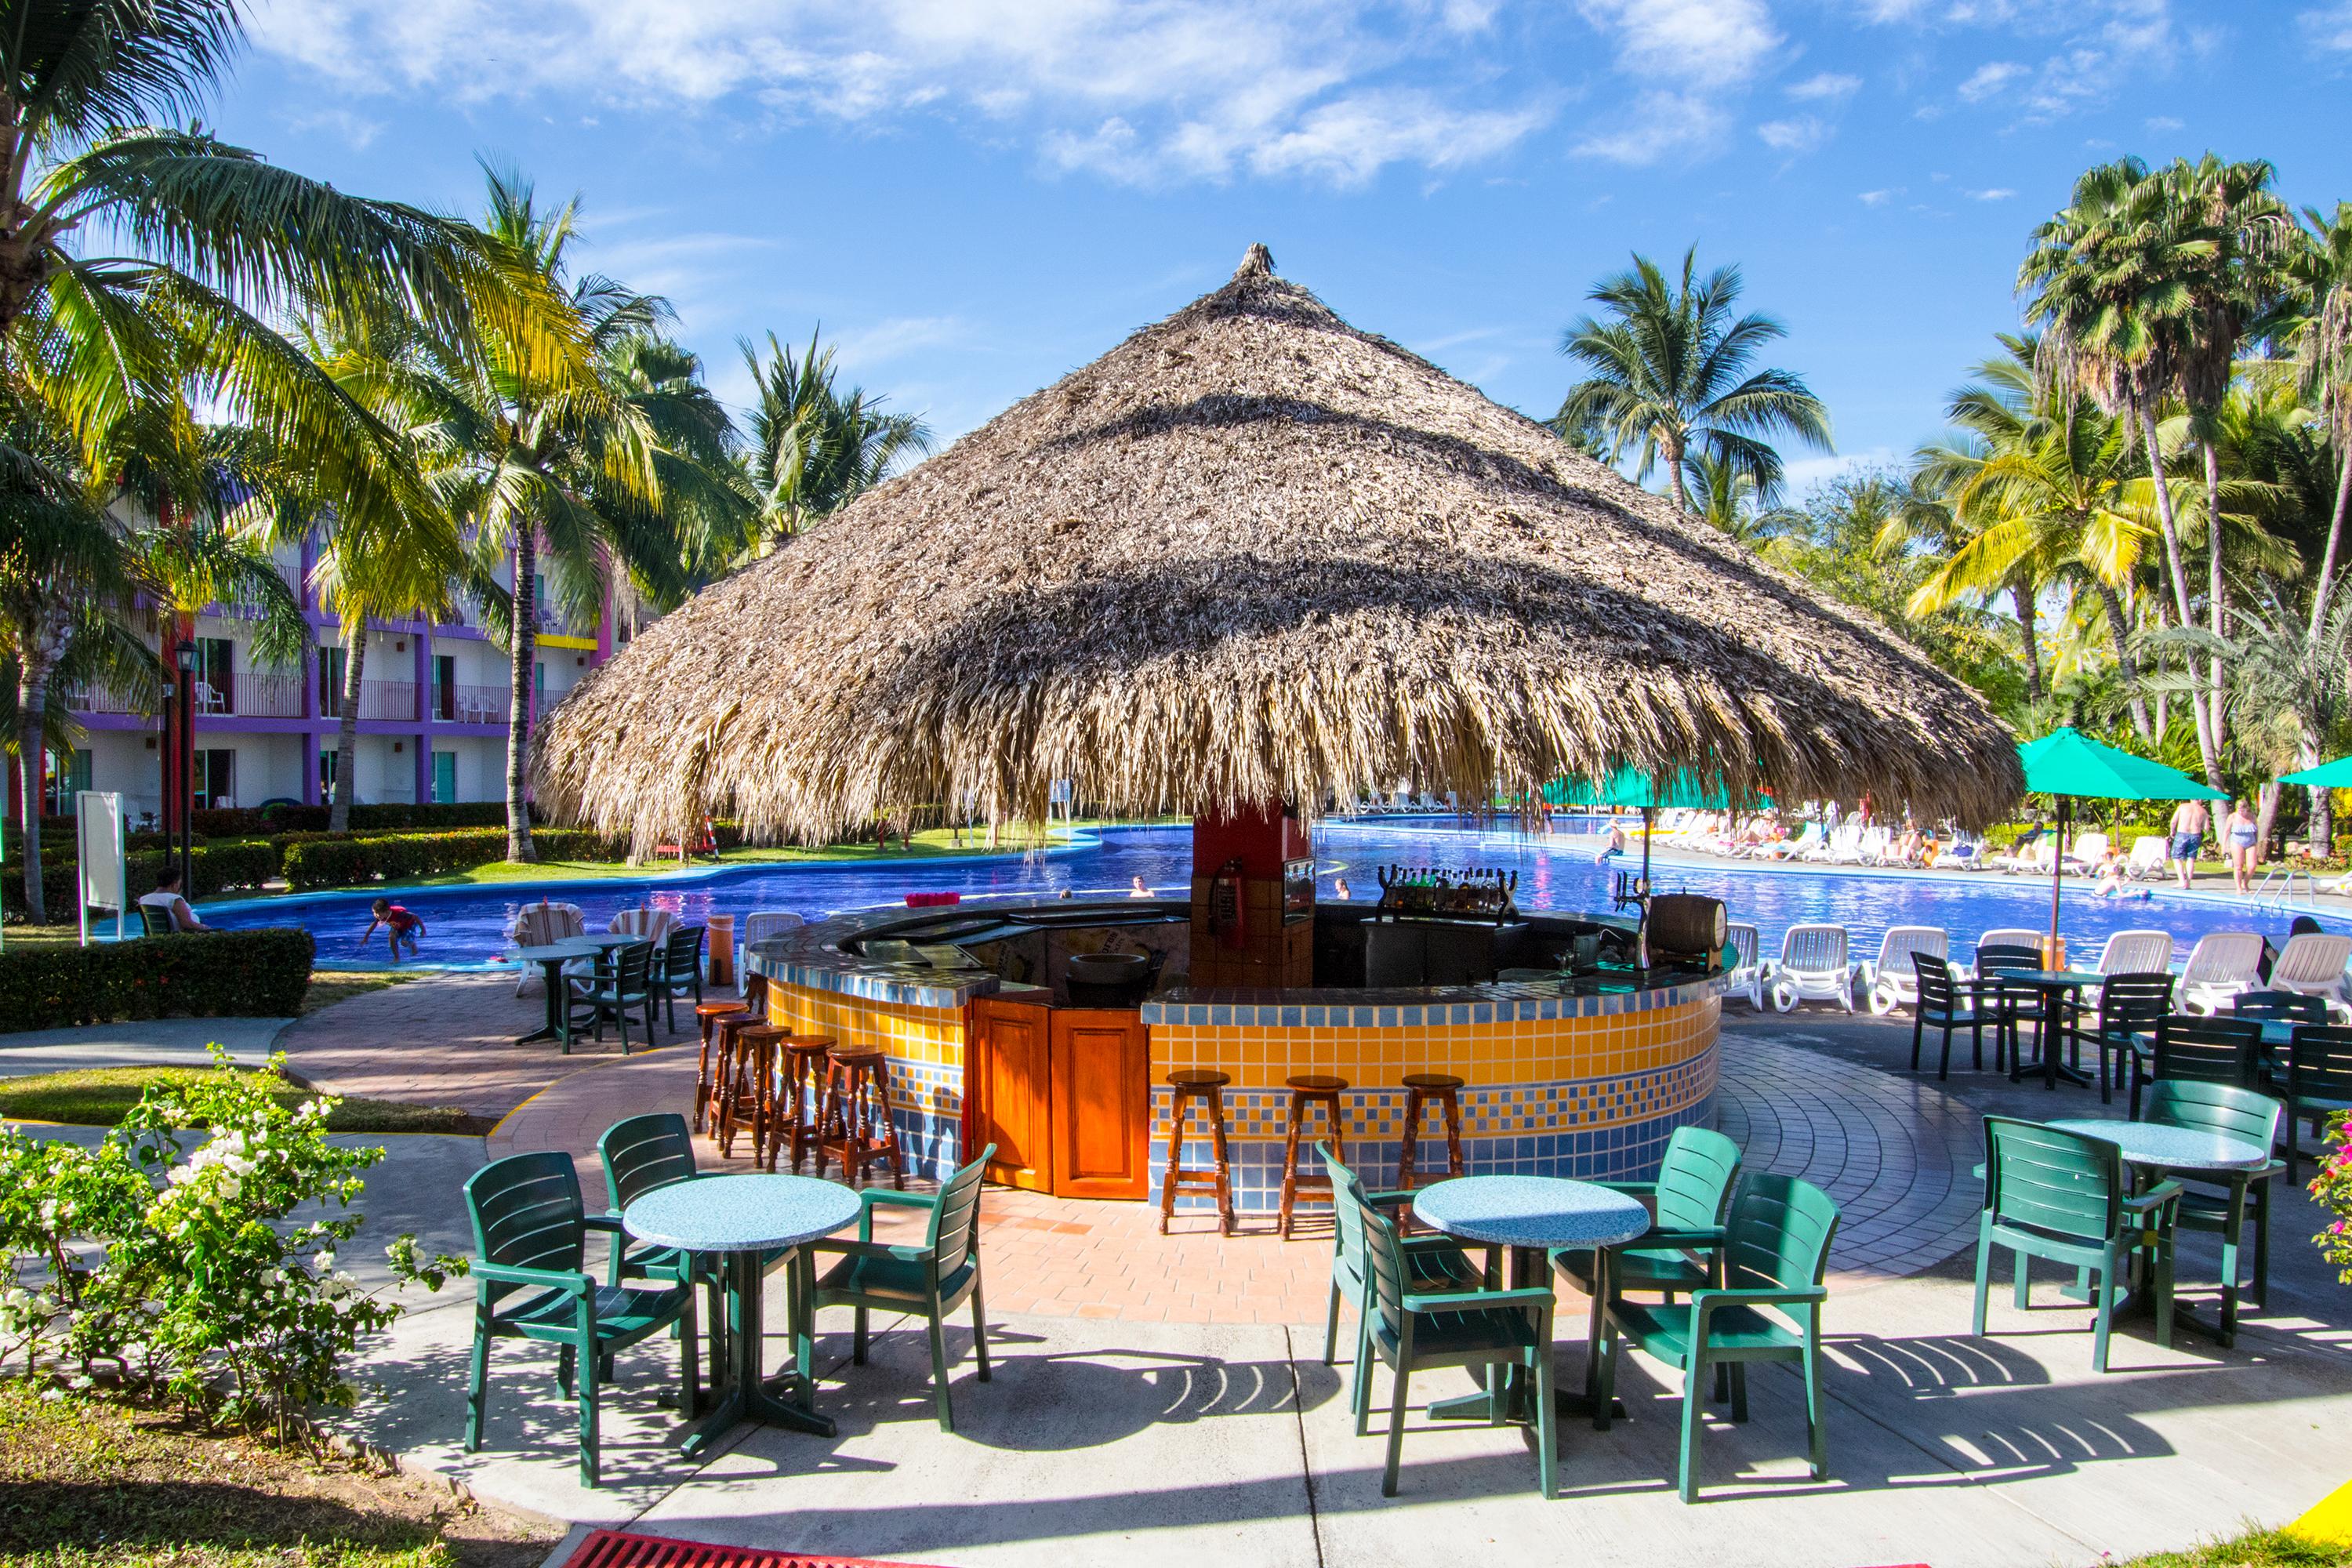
1102 1103
1008 1066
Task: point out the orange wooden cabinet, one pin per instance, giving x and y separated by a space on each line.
1065 1095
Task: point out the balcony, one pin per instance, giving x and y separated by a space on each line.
471 704
102 697
391 701
252 697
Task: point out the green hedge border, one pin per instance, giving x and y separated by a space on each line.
259 973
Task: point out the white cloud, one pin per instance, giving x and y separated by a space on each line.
1990 78
1657 124
2161 123
356 131
1998 193
1176 89
2330 26
1687 43
1831 86
1800 475
1879 198
898 336
1805 133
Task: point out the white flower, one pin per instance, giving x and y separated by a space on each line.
323 1260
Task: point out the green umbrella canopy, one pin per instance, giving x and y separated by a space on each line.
1630 786
2067 762
2337 774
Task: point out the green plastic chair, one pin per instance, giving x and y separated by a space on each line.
2203 1050
1776 1254
928 1281
2270 1006
530 1235
1939 1004
2215 1202
153 922
1435 1262
681 970
2316 1084
1682 1249
2063 1197
1419 1330
618 985
2131 1005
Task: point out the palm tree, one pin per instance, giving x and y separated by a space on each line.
2234 279
561 460
813 446
1727 499
2108 276
2322 335
1670 376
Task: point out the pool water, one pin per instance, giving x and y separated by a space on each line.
466 927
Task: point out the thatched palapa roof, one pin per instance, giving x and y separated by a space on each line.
1251 553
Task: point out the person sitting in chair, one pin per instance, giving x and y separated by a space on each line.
168 899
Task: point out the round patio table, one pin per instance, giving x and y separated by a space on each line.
1529 1215
2054 985
744 1219
2157 1149
551 957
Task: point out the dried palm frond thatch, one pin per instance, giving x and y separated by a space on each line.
1251 554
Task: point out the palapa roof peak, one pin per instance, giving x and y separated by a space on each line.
1251 554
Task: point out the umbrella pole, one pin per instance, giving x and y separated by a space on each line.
2057 880
1641 947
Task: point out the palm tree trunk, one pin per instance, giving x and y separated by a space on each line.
2216 593
2266 803
32 704
2207 748
525 642
2126 668
2022 595
347 730
2334 537
1674 455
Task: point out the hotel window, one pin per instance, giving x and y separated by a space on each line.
215 670
69 776
330 683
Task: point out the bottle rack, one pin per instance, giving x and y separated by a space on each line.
1479 894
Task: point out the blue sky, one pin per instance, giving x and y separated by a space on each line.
974 197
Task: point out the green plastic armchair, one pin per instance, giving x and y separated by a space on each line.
928 1281
531 1282
1435 1262
2216 1201
1776 1255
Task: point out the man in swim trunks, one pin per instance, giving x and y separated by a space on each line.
2189 822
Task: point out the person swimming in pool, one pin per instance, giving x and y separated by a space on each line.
399 926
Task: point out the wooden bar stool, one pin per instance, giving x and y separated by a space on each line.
1422 1089
705 1014
854 1125
756 1047
733 1102
800 1100
1311 1090
1203 1085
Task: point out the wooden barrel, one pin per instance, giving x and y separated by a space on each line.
1687 924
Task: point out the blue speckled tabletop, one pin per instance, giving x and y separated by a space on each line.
1531 1210
740 1214
2175 1148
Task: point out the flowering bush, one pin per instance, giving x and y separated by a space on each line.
210 1277
2332 1188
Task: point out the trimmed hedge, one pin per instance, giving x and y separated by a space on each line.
391 817
258 973
328 862
213 869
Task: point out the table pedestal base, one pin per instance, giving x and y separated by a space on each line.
743 1393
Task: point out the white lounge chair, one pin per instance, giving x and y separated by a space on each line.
1807 840
2090 849
2000 936
2311 965
2135 953
655 926
1889 981
537 925
1813 968
2027 854
2146 862
1843 847
759 926
1750 975
2222 966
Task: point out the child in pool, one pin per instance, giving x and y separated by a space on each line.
399 926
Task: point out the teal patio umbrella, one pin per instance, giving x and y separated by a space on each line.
2337 774
1684 787
2066 764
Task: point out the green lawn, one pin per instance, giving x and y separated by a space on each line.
88 1482
2255 1549
97 1097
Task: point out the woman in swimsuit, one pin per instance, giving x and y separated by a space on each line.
2239 835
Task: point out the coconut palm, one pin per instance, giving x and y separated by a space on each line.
813 448
1670 375
2322 273
1725 499
2108 279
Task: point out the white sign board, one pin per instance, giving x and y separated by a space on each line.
104 877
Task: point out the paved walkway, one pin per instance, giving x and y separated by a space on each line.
148 1043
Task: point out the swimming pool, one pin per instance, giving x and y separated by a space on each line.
466 927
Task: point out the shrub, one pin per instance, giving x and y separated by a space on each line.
330 862
212 868
2333 1187
393 817
217 974
207 1287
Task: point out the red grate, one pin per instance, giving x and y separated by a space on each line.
618 1548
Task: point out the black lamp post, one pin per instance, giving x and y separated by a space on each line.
186 847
